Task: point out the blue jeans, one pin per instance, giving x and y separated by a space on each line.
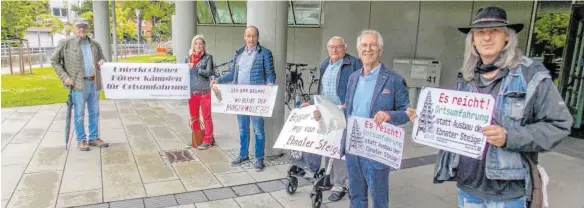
258 128
90 96
466 200
365 174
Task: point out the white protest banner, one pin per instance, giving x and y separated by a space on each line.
146 81
383 143
301 133
253 100
453 120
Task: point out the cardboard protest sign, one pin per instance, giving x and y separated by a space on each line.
145 81
301 133
383 143
253 100
453 120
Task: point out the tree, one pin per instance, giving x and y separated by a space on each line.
18 16
426 123
550 33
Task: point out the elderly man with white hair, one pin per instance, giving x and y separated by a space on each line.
377 92
335 72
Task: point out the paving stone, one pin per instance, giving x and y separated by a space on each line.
141 106
79 198
143 145
154 121
225 203
232 179
117 154
122 182
300 199
220 193
86 165
153 169
126 111
146 113
137 130
171 118
131 119
109 114
191 197
131 203
28 135
245 190
47 159
160 201
269 173
217 161
14 154
195 176
11 174
4 203
180 127
163 133
111 124
164 188
270 186
37 190
264 200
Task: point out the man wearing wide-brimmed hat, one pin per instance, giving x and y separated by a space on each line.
76 60
530 117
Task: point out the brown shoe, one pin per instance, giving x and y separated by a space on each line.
83 146
98 142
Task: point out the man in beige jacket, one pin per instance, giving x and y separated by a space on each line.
76 61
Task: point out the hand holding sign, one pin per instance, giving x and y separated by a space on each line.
496 135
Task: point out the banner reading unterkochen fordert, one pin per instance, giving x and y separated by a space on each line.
453 120
146 81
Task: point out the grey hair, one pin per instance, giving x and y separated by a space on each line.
197 37
338 38
510 56
374 32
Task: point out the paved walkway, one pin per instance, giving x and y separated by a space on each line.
149 164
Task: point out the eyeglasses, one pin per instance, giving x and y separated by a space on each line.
364 46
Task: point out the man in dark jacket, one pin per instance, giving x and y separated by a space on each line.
334 76
252 65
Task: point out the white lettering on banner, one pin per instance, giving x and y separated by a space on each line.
383 143
146 81
453 120
253 100
301 133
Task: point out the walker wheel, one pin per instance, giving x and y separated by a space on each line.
316 199
291 185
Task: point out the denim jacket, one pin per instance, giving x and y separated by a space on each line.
534 116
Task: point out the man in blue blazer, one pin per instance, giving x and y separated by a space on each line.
377 92
252 65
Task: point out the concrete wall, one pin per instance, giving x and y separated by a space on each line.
410 29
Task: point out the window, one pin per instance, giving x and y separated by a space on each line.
220 11
60 12
306 12
238 11
235 12
204 13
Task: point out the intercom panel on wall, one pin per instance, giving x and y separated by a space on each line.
419 72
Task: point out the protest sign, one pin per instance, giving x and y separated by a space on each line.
301 133
453 120
383 143
253 100
145 81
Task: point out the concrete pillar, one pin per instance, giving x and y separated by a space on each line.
271 18
184 28
101 27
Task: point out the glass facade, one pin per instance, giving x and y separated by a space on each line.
300 13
